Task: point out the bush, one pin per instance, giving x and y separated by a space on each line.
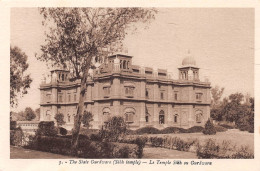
220 128
170 130
63 131
147 130
86 148
209 128
195 129
46 128
13 125
211 150
113 130
16 137
95 137
228 126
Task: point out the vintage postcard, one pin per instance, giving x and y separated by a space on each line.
130 85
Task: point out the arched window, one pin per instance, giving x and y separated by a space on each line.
48 115
121 64
127 64
68 118
198 116
106 114
129 115
176 118
124 64
161 117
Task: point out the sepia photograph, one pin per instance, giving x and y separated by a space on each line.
132 83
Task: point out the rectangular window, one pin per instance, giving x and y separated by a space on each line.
129 91
175 95
162 95
106 91
69 98
198 96
75 97
60 98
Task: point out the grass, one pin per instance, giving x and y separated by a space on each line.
235 136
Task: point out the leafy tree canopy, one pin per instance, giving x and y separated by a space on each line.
29 114
19 81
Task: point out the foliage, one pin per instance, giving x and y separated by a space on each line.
86 119
29 114
114 128
209 128
195 129
13 125
228 126
59 117
19 81
16 136
172 143
212 150
78 37
37 113
46 128
216 93
220 128
86 148
63 131
147 130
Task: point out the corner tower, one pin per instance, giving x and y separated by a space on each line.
189 70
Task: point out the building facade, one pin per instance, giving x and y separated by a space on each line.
141 95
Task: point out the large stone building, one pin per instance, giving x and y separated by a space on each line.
142 95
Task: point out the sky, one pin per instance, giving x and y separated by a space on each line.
221 41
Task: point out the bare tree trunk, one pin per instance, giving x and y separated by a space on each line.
77 120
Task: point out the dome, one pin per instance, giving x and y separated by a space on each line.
188 61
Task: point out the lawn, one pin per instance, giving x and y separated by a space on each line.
235 136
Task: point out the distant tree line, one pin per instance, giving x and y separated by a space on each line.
27 115
236 108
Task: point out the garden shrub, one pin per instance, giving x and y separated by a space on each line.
95 137
220 128
195 129
147 130
63 131
228 126
243 153
86 148
16 136
170 130
223 151
114 129
13 125
209 128
46 128
209 150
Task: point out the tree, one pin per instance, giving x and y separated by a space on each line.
209 128
19 81
215 111
87 118
216 93
37 113
29 114
233 108
59 119
113 129
79 37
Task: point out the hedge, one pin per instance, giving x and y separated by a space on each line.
16 136
212 150
86 148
